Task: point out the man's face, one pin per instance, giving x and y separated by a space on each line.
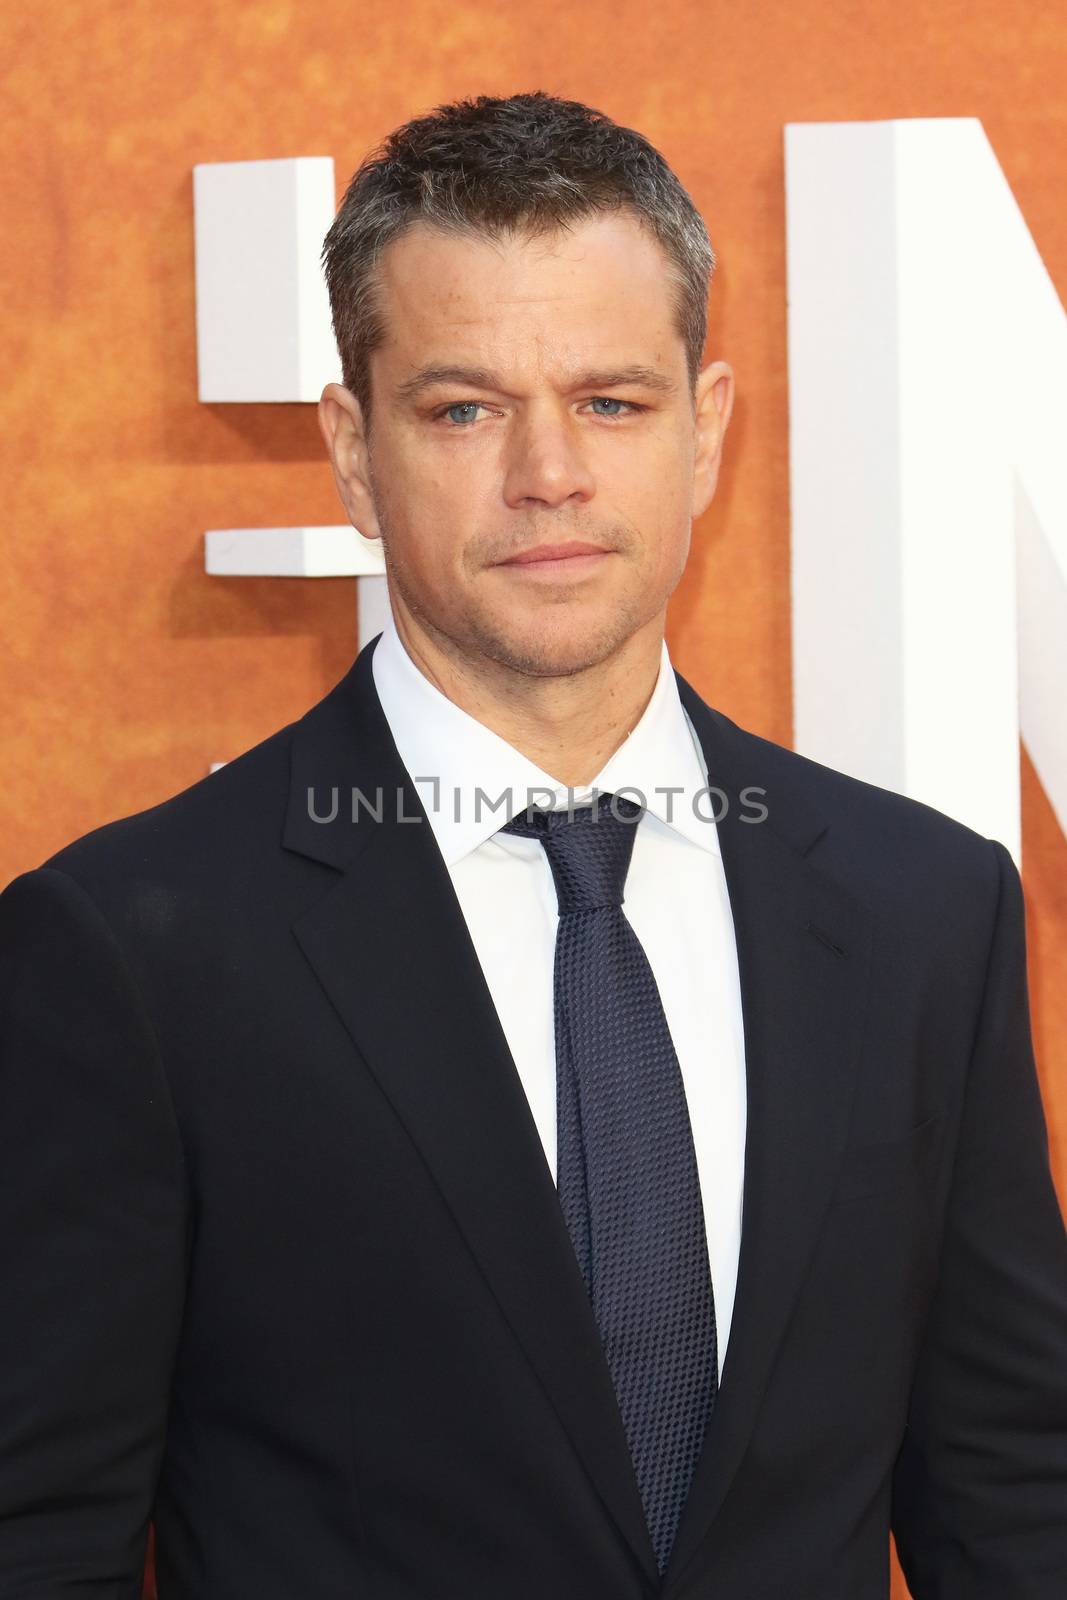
535 504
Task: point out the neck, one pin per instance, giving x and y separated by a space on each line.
569 725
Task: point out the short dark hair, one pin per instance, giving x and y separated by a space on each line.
529 163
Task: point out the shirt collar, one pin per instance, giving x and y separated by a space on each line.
461 768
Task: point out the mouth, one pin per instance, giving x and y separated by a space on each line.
568 560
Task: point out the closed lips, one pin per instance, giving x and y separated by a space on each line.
554 552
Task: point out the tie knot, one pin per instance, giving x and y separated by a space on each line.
588 849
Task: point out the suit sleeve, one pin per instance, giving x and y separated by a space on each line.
93 1240
980 1484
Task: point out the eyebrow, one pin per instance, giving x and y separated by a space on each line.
482 378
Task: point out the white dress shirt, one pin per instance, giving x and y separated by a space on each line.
676 901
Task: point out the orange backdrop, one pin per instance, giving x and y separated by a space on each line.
126 670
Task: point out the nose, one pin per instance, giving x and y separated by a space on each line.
546 463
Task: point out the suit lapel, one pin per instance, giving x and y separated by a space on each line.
390 947
803 953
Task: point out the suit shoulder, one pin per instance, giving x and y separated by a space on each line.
893 835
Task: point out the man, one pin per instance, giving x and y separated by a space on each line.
387 1210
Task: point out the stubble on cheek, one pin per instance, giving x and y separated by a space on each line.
529 634
555 631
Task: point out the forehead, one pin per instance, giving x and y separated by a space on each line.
449 297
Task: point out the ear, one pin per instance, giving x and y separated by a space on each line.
341 424
714 405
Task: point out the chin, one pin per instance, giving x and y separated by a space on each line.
553 651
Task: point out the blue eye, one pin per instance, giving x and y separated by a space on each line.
461 405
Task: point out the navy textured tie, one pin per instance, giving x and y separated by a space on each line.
627 1174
